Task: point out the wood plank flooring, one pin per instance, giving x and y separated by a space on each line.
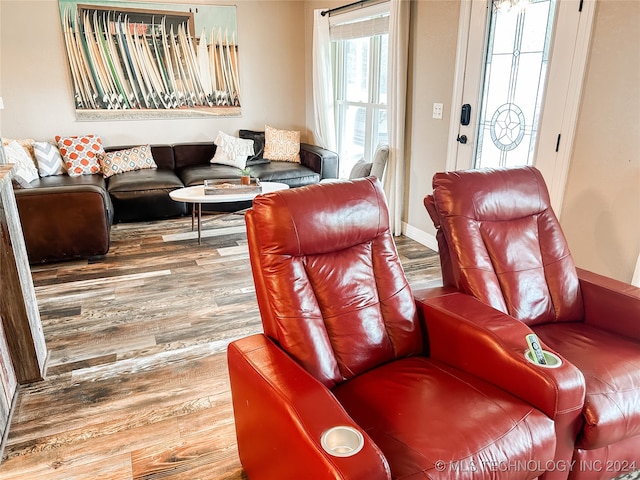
137 384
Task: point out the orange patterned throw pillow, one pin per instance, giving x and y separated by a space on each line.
136 158
281 144
80 154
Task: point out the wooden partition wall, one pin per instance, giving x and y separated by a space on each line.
23 351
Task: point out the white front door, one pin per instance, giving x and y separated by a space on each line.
520 72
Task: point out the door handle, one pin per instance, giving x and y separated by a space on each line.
462 139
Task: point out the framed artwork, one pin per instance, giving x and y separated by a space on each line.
151 60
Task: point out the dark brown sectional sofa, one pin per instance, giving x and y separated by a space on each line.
67 217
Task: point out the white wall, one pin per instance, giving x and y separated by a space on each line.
36 84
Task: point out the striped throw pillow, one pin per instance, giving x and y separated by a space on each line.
48 159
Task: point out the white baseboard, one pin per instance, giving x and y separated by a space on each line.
420 236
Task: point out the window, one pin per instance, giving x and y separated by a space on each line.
359 56
514 80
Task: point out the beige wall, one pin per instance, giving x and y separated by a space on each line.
601 213
433 43
36 84
0 65
601 210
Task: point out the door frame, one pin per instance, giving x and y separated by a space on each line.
567 125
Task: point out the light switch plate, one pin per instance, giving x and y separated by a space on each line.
437 110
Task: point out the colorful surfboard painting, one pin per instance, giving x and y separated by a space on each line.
143 60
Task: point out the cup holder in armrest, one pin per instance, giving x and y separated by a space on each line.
342 441
553 361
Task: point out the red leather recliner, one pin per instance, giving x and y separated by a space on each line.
501 243
344 344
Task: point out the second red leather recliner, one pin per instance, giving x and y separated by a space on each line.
500 242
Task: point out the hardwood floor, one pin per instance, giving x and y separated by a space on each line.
137 384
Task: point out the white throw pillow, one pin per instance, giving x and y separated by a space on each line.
232 151
25 167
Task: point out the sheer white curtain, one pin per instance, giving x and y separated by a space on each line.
397 102
323 99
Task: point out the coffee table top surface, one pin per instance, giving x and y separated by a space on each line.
196 194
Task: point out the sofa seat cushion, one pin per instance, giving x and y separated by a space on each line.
144 195
293 174
67 181
196 175
432 421
610 364
140 180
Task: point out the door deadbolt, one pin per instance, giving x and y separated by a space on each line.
465 114
462 139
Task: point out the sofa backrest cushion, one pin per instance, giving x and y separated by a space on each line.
330 286
163 156
505 244
190 154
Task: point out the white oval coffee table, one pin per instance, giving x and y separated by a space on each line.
196 195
